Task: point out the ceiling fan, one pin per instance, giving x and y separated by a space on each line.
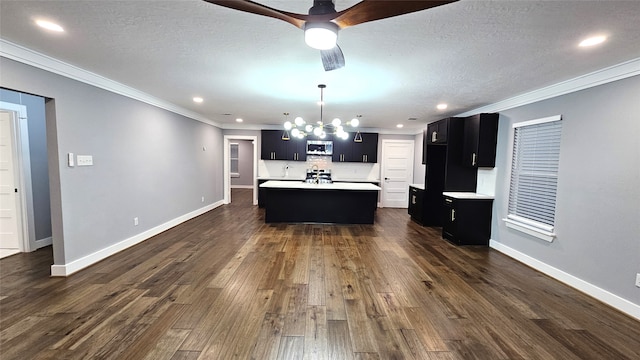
322 23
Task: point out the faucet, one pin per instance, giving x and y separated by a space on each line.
316 172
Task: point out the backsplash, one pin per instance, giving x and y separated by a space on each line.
486 183
298 169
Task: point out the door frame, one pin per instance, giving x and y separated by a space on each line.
382 163
22 170
227 166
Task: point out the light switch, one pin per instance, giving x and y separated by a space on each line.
70 161
85 160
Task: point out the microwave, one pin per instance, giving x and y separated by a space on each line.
320 147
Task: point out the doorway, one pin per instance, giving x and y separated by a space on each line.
228 139
16 214
396 172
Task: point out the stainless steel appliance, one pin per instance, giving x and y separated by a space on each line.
320 147
315 176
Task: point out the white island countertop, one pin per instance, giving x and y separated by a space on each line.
274 184
466 195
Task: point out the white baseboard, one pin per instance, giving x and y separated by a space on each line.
606 297
43 242
79 264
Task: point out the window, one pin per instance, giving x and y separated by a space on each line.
235 172
534 176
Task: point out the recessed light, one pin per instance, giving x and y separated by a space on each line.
595 40
49 25
198 99
399 126
238 120
441 106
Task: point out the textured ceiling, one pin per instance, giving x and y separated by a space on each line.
467 54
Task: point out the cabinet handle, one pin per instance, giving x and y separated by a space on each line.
448 200
453 215
413 199
434 136
473 159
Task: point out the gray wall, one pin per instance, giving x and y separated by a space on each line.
419 169
148 163
245 163
598 202
38 162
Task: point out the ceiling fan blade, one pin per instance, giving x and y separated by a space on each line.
332 59
371 10
294 19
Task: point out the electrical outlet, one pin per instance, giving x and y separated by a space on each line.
135 221
638 280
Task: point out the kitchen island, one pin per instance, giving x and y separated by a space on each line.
339 203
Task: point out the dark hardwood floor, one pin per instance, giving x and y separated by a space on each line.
227 286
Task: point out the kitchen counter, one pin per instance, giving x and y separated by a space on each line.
417 186
282 178
467 195
334 186
300 202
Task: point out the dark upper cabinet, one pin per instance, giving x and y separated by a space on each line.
438 132
480 138
297 149
350 151
342 149
272 146
367 150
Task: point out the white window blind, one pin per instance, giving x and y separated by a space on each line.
534 175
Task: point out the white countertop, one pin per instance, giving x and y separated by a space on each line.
355 180
275 184
466 195
282 178
417 186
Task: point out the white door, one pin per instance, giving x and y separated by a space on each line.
10 234
397 172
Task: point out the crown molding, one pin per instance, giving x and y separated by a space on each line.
27 56
616 72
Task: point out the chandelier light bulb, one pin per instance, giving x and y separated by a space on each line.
336 122
317 131
287 125
295 132
323 134
300 136
344 136
308 128
299 121
355 122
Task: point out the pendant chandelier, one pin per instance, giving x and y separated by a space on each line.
299 128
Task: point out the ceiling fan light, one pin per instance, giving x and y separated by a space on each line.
321 35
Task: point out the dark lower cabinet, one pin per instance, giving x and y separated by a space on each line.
416 204
467 221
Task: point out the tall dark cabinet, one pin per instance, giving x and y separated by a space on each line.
444 168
